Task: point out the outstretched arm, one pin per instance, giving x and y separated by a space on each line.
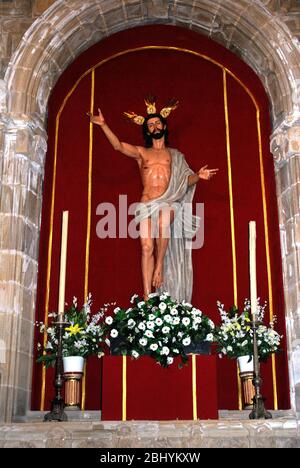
125 148
203 173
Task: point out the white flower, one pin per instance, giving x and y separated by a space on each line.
141 326
170 360
151 317
149 334
133 298
140 304
143 341
229 348
109 320
176 321
153 347
150 325
185 321
186 341
162 306
164 296
165 350
165 329
158 321
134 354
131 323
168 318
114 333
209 337
173 311
116 310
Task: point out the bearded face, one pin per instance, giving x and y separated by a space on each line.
156 128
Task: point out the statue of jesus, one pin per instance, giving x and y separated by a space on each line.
166 180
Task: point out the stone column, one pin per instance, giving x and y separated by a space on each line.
285 146
22 155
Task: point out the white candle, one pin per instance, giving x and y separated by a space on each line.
63 264
252 260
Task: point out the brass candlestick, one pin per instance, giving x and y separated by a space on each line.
258 411
57 404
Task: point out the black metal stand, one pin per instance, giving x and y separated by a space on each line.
258 411
57 405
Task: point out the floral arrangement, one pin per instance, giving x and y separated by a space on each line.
234 336
159 327
83 335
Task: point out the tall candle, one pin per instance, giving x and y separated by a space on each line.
63 264
252 260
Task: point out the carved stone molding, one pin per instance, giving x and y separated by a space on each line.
251 29
285 143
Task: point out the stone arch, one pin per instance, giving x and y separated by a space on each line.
54 40
69 27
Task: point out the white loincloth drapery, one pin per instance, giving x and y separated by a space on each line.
178 268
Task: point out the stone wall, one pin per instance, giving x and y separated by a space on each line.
15 18
32 59
279 433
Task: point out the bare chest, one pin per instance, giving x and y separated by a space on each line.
157 159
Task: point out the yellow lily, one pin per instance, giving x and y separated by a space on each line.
74 329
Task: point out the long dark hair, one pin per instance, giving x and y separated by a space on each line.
147 137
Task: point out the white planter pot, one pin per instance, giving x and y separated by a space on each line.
73 364
244 364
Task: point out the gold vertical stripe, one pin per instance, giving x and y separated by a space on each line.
274 379
89 201
233 246
239 382
194 387
88 224
83 387
49 257
124 387
267 247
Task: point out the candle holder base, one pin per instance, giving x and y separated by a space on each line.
57 411
259 411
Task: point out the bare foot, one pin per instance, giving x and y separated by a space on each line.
157 279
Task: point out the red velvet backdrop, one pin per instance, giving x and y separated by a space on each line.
123 75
